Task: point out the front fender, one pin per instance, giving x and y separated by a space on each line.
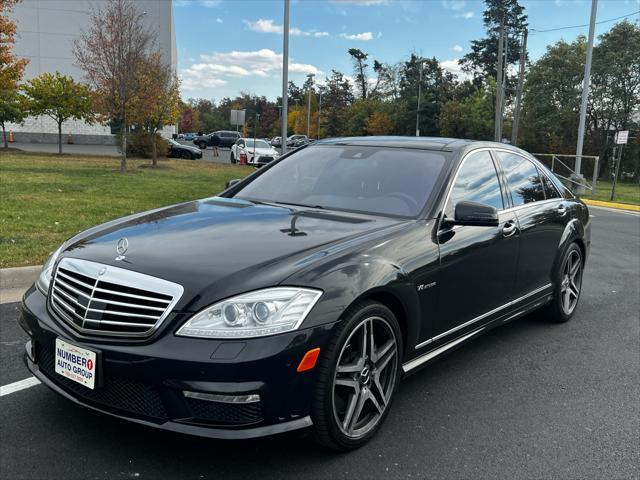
363 277
573 230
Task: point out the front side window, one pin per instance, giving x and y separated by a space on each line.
378 180
477 181
523 179
550 191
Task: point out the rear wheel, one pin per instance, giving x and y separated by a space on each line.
202 146
358 377
568 285
232 159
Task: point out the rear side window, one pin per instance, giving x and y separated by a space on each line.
550 191
477 181
523 179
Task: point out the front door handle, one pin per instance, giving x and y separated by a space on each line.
562 210
509 229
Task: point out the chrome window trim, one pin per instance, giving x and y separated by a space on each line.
122 277
481 317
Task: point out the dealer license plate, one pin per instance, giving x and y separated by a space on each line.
75 363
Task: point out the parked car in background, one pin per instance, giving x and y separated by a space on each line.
276 142
178 150
189 136
227 139
297 140
256 153
377 255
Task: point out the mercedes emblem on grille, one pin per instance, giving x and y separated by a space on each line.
122 247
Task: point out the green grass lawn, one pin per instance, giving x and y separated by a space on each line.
625 192
45 199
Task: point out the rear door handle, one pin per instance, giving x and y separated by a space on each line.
562 210
509 229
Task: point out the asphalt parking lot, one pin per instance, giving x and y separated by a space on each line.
528 400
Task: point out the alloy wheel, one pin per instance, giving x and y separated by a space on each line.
365 377
571 282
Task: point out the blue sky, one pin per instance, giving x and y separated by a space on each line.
229 46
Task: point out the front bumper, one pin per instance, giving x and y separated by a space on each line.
145 382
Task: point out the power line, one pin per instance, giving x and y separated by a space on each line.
586 24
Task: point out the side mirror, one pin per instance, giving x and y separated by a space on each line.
477 214
231 183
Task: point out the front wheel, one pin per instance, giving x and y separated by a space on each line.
202 146
232 159
358 377
568 285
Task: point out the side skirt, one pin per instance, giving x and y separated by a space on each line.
425 358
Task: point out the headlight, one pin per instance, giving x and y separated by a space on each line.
47 271
255 314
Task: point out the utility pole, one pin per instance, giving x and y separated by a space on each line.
497 133
420 64
616 169
577 176
310 77
255 132
285 76
319 110
516 114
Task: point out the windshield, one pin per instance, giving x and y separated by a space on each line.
259 143
388 181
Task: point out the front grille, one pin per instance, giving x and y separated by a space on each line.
105 300
221 413
117 393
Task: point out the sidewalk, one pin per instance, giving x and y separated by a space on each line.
15 281
105 150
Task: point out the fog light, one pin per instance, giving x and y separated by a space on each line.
215 397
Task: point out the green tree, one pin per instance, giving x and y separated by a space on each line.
60 98
360 70
551 99
470 117
482 61
12 110
157 104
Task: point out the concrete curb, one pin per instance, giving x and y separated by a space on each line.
18 277
615 205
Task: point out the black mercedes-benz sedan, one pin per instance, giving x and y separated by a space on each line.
302 294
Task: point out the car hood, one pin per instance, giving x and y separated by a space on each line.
261 151
219 247
188 147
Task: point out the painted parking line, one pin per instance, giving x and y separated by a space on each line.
19 385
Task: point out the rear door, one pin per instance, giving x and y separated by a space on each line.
477 264
542 215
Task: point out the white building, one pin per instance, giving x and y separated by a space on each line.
46 30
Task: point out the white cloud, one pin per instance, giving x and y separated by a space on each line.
218 20
455 5
209 3
264 25
214 69
466 15
453 67
364 36
456 48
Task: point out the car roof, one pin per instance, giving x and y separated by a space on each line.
423 143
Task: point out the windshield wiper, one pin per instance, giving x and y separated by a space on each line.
317 207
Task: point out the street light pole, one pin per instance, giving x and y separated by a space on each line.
310 77
285 76
255 130
420 63
578 177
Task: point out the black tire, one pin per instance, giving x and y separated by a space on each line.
202 146
326 429
232 159
186 155
556 310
